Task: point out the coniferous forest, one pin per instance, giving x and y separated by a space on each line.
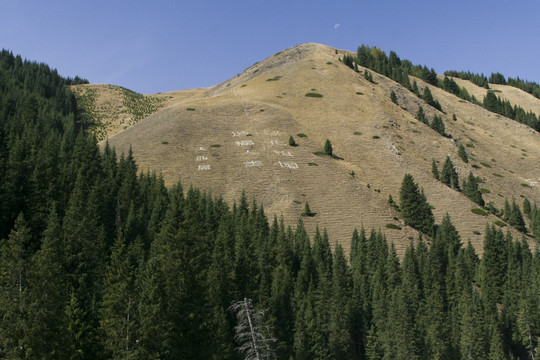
98 261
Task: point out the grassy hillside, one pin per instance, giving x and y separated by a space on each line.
107 109
234 137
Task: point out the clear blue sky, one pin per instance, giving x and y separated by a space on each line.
163 45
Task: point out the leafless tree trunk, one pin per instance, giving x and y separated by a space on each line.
251 333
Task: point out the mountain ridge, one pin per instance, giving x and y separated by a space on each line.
252 115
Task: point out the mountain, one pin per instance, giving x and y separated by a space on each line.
233 137
132 268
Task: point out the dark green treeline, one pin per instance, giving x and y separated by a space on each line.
98 261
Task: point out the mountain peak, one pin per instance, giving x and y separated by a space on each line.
233 137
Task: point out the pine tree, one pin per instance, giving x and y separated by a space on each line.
322 260
307 210
463 154
435 169
473 340
405 80
328 150
415 209
415 88
339 340
527 207
13 289
46 297
515 217
374 349
496 347
292 142
281 317
449 175
156 324
368 76
438 125
120 300
437 329
491 102
393 97
507 210
80 335
494 265
527 321
470 189
221 290
428 98
420 115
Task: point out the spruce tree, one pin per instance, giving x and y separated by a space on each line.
415 209
428 98
368 76
405 80
119 316
462 153
415 88
45 321
470 189
435 169
281 318
291 141
328 150
393 97
438 125
491 102
420 115
494 265
473 340
156 324
307 210
339 339
527 207
515 217
449 175
13 289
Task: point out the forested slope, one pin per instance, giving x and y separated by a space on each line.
99 261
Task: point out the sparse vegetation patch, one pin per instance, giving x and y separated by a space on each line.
313 95
393 226
275 78
479 211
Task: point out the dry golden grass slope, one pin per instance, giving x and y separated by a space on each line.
234 137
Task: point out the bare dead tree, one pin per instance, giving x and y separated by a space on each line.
252 334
